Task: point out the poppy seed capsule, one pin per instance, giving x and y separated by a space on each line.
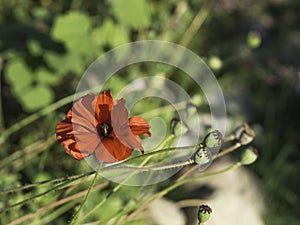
244 134
204 213
249 156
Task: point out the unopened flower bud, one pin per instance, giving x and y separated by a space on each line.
204 213
202 155
244 134
213 139
249 156
178 128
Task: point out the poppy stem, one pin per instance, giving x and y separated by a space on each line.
228 150
1 106
219 155
175 165
153 168
75 216
158 152
230 137
162 109
137 208
57 180
57 187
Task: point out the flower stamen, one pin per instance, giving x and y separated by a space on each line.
104 129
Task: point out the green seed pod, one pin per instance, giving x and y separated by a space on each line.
204 213
249 156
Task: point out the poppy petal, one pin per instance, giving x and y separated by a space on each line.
104 106
120 124
79 131
83 111
76 139
112 150
138 139
139 125
87 142
65 136
130 140
119 114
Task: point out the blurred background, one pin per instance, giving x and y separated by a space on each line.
253 48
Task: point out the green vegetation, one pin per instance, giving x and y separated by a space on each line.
253 49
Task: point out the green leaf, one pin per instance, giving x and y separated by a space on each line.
73 30
115 83
41 13
132 13
63 64
84 45
18 75
70 26
110 34
110 208
21 79
34 47
36 97
20 13
46 77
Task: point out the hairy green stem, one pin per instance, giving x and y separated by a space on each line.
36 196
62 179
1 105
141 206
196 24
75 216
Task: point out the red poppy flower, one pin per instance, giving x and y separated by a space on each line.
98 125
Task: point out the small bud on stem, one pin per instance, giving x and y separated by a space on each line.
249 156
204 213
244 134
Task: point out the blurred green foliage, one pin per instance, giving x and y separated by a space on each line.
45 46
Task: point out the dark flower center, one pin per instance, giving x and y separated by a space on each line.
105 129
